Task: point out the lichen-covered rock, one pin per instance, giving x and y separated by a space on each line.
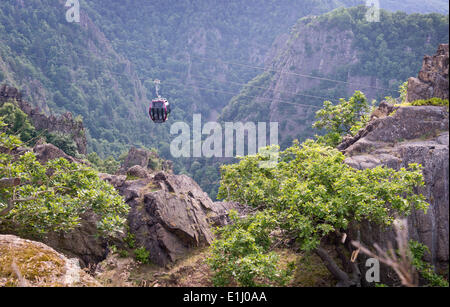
432 80
28 263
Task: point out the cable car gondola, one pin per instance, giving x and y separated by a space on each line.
159 109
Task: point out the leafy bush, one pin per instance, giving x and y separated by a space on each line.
109 165
17 122
347 117
425 269
130 239
52 197
242 254
65 142
123 253
142 255
311 194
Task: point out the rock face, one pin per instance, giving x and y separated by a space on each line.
169 214
47 152
413 134
138 157
62 124
82 242
433 77
27 263
139 161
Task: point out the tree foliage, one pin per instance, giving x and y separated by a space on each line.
344 118
242 255
17 122
312 194
425 269
54 196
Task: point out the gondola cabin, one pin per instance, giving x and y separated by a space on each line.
159 110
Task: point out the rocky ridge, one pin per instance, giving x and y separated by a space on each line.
64 123
403 134
169 214
432 80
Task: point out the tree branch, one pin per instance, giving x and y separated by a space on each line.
331 265
9 182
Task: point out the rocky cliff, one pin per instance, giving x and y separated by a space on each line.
64 123
406 134
169 214
432 80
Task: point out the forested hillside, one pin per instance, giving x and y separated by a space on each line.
103 68
328 58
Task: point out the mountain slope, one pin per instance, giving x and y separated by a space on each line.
88 68
373 57
63 66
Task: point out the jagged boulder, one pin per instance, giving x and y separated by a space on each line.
432 80
137 171
170 214
29 263
413 134
136 156
47 152
82 242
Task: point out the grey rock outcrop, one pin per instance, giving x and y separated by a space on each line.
169 214
47 152
413 134
136 156
137 171
432 80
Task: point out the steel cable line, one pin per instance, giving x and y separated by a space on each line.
237 83
231 93
255 86
248 85
292 73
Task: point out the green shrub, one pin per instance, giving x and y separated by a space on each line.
242 254
430 102
64 142
17 122
347 117
54 196
123 253
425 269
142 255
130 239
